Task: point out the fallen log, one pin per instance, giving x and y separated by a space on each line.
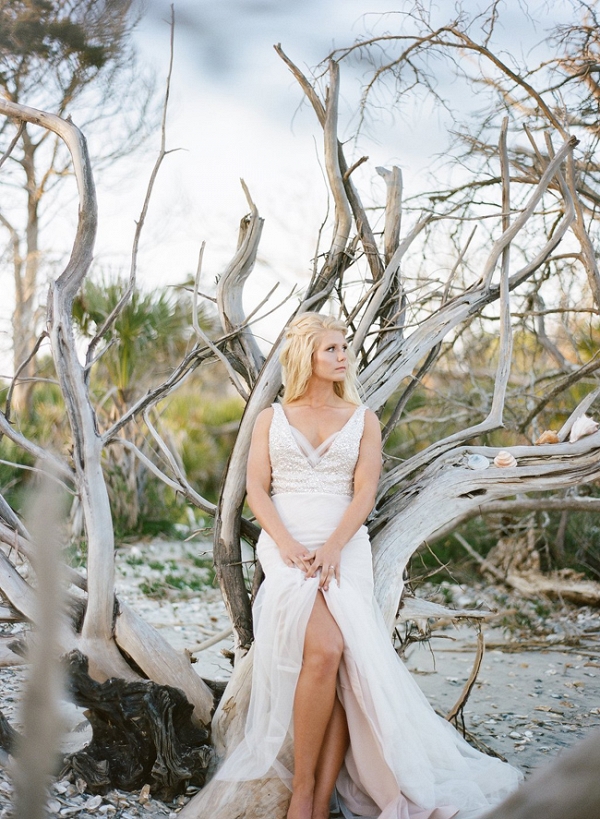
563 584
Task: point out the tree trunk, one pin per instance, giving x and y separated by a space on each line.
26 286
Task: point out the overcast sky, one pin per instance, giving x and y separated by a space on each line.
236 112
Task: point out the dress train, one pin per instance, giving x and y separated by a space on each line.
404 761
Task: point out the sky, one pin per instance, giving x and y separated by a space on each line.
236 112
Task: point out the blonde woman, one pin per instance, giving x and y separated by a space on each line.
326 679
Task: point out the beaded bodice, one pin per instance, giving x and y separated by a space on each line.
297 467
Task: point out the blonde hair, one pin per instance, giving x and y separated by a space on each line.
302 336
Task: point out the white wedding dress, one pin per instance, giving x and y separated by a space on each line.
404 761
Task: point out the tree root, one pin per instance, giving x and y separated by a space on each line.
142 734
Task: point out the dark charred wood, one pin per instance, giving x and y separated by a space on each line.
8 735
142 734
217 687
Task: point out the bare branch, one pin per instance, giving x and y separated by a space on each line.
22 366
563 385
360 217
381 287
203 337
509 234
393 210
516 78
184 369
457 264
12 144
113 315
54 463
211 641
448 489
506 346
353 167
521 503
341 230
384 373
198 500
230 291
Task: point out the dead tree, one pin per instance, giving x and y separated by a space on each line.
417 498
435 487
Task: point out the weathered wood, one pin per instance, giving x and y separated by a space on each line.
448 487
263 799
343 221
363 227
97 625
393 210
9 657
397 360
143 734
558 585
22 544
456 712
418 609
160 662
8 735
522 503
96 638
16 590
230 288
259 799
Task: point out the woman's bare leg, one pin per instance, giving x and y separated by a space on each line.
313 703
333 751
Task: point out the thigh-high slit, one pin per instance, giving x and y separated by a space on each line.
403 760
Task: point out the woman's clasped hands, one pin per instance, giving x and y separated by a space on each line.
295 554
324 561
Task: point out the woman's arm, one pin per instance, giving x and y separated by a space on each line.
258 485
366 478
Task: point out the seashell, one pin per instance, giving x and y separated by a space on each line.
549 436
504 459
584 425
477 462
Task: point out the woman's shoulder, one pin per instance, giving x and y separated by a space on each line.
266 414
372 424
263 419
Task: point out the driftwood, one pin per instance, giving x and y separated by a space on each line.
456 713
560 585
143 734
8 736
96 639
417 498
563 584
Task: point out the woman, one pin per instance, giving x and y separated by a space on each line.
325 672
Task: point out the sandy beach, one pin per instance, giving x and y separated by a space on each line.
537 692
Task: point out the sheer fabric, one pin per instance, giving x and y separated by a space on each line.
404 761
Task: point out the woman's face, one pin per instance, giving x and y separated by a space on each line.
330 358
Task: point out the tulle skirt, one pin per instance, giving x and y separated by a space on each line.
404 761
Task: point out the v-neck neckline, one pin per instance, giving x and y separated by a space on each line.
314 451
